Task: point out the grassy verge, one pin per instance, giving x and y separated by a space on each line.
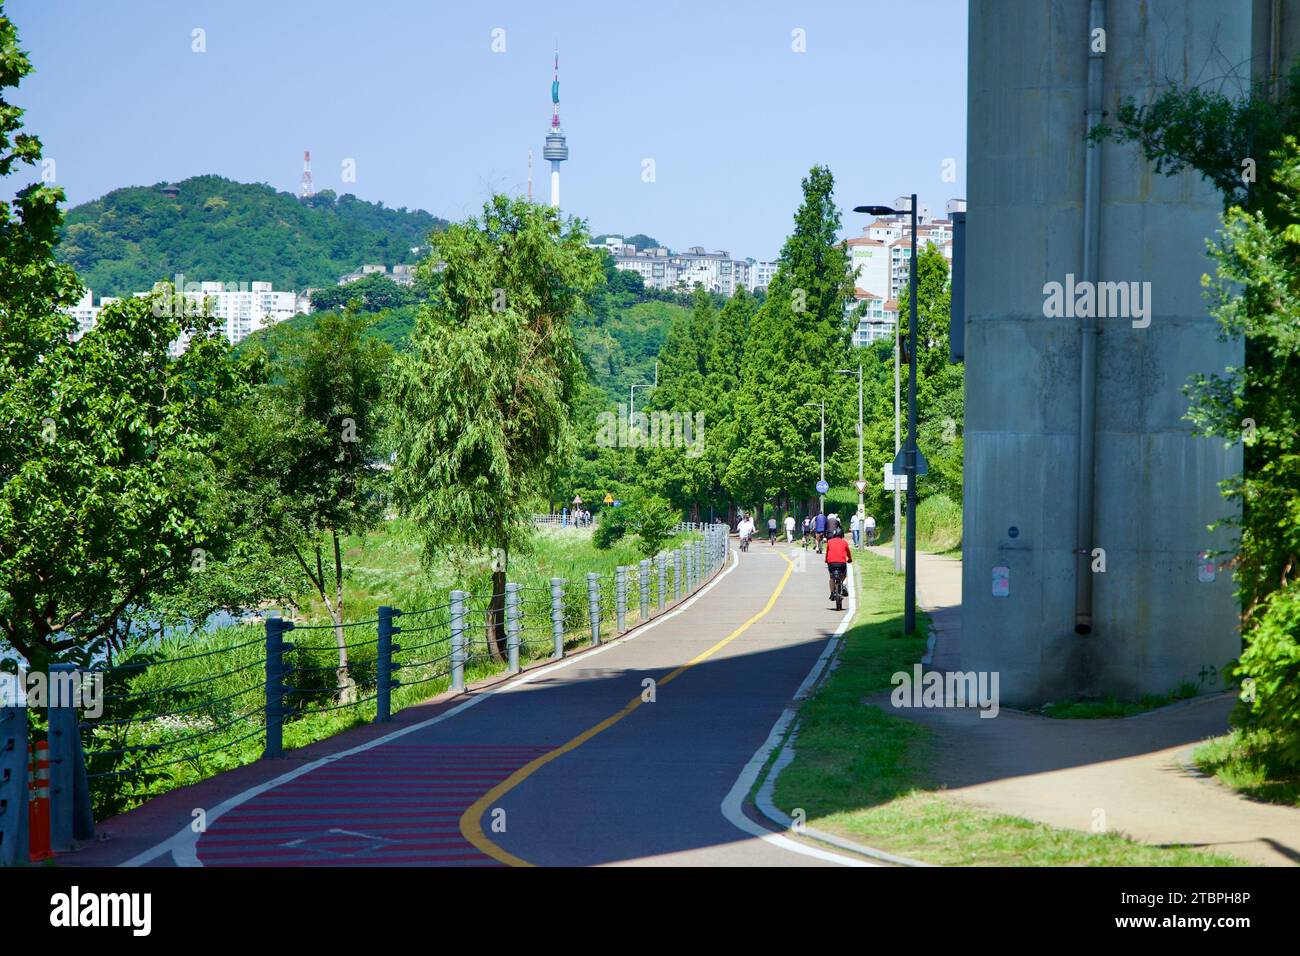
1107 707
860 772
1245 761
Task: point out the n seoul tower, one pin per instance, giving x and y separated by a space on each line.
556 150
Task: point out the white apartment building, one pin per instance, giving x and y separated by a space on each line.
882 256
761 274
404 274
87 313
661 268
241 308
879 318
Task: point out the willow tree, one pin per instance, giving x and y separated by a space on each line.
482 399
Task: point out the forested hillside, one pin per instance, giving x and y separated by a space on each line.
218 229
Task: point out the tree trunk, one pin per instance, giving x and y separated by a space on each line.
496 617
347 687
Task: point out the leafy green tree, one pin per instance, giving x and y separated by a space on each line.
939 383
797 341
106 483
372 293
653 520
677 407
307 454
722 378
482 402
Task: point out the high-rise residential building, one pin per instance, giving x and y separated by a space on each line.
87 313
661 268
876 318
882 256
241 308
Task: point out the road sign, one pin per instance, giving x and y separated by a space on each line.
894 482
823 487
577 500
609 499
900 463
861 485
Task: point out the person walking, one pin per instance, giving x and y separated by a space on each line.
855 526
789 529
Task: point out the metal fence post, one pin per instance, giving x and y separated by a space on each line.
700 570
13 773
620 598
275 648
661 568
70 813
645 589
677 572
512 626
384 664
593 605
458 641
557 615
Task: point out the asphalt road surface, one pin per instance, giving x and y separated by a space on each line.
623 755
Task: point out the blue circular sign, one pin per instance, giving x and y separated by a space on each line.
823 487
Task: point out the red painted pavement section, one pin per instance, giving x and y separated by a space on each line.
396 804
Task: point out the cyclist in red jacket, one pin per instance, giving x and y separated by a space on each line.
838 558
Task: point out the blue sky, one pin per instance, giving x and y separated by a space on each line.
434 119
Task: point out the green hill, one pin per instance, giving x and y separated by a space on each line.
218 229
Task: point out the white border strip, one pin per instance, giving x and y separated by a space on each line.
732 804
183 845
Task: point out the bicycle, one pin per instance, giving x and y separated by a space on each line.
839 588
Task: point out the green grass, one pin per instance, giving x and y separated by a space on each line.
861 772
1245 761
1108 707
938 524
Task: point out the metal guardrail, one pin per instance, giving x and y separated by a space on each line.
165 714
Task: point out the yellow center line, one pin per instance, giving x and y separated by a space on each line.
471 827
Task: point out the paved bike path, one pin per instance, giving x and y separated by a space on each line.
622 755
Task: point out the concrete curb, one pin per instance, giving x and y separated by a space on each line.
763 799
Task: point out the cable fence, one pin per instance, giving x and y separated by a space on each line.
170 718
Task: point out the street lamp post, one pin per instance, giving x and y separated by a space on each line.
631 400
898 443
821 498
861 484
909 450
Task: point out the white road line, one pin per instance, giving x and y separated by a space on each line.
733 803
183 845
